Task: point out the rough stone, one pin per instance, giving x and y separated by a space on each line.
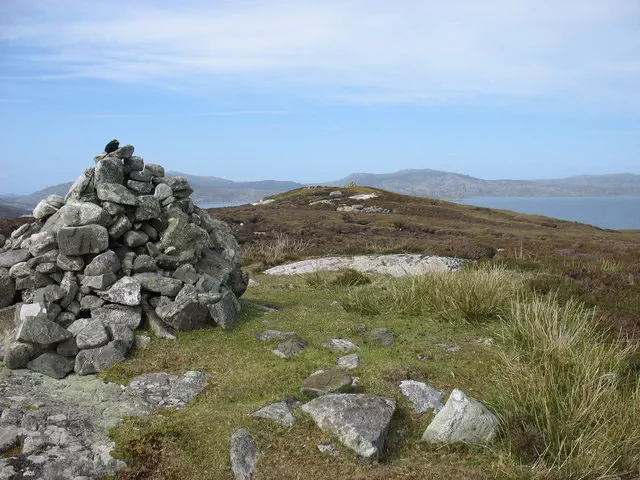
96 359
42 242
162 191
125 291
135 239
7 288
143 188
99 282
349 361
462 419
118 314
186 313
187 274
243 454
141 341
155 169
144 264
9 438
81 185
326 381
183 236
154 282
268 335
67 263
17 354
340 345
361 422
133 164
121 336
382 337
92 336
11 257
111 192
78 214
33 281
279 412
43 210
148 208
83 240
68 348
121 226
51 364
224 312
108 170
36 329
422 396
290 348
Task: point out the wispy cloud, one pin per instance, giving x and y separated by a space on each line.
364 51
231 113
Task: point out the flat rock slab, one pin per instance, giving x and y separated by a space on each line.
326 381
243 453
360 421
462 419
67 435
12 257
290 348
340 345
279 412
422 396
395 265
349 361
268 335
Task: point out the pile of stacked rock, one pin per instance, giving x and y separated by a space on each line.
125 247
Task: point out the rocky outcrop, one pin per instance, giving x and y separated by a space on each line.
126 246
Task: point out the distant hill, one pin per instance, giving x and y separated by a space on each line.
439 184
417 182
12 211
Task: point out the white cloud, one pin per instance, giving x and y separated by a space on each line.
375 51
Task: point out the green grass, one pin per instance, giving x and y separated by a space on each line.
566 394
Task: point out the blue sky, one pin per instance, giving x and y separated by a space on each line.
311 91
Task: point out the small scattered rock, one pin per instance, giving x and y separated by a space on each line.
446 347
279 412
382 337
243 453
422 396
349 361
268 335
326 381
340 345
290 348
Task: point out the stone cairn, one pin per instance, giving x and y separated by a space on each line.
125 248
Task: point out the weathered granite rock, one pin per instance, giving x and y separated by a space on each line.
42 242
154 282
43 210
326 381
186 313
148 207
35 327
125 291
83 240
97 359
68 348
268 335
93 335
187 274
118 314
47 295
124 152
76 327
133 164
111 192
80 185
279 412
183 236
360 421
422 396
224 312
78 214
17 354
135 238
290 348
163 191
9 438
67 263
7 288
155 169
243 453
349 361
382 337
462 419
99 282
121 336
121 226
33 281
9 258
51 364
340 345
144 264
109 170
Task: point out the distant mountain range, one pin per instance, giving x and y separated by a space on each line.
423 183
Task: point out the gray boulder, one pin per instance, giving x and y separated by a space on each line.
80 185
99 282
42 242
326 381
144 264
290 348
51 364
68 348
382 337
118 314
279 412
67 263
92 336
37 329
83 240
462 419
121 226
340 345
123 152
162 191
224 312
360 422
17 354
33 281
156 283
43 210
422 396
141 188
186 313
103 263
109 170
121 336
114 193
96 359
125 291
183 236
155 169
78 214
135 238
148 208
243 454
133 164
11 257
349 361
7 288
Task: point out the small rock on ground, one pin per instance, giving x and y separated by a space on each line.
326 381
279 412
290 348
382 337
243 453
340 345
422 396
349 361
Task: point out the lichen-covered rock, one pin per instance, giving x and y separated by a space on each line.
79 214
340 345
96 359
83 240
118 314
11 257
114 193
92 336
422 396
224 312
361 422
7 288
125 291
243 453
462 419
279 412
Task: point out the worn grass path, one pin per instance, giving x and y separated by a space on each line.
245 375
